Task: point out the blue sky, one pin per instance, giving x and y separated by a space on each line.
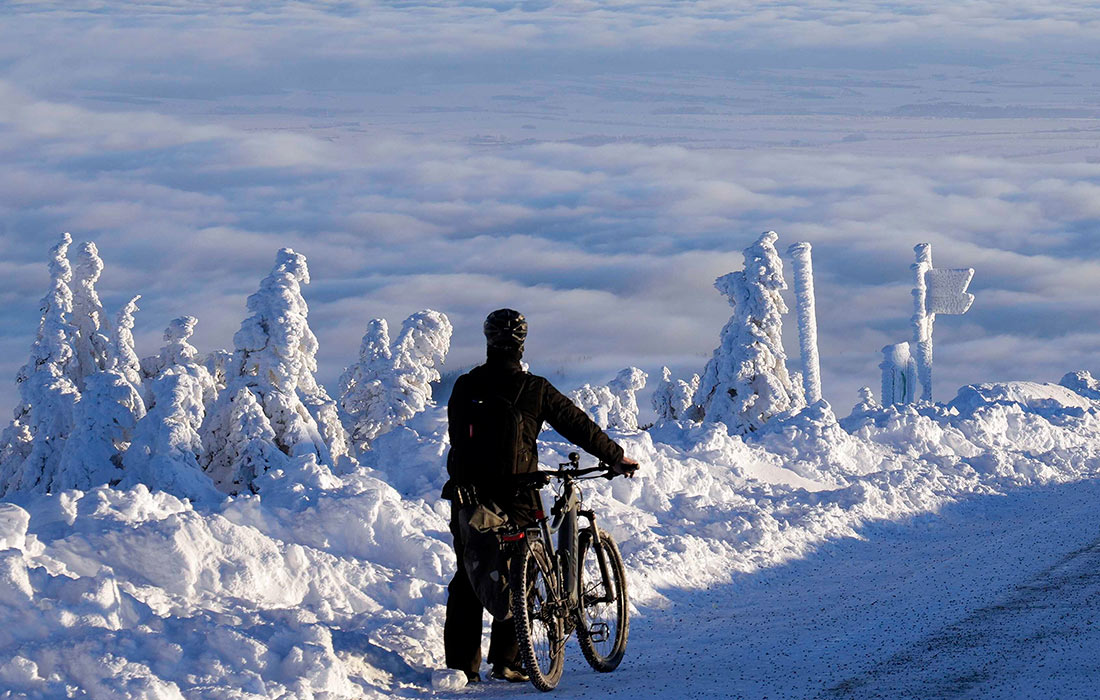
596 165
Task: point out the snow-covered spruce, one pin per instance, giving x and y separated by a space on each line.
614 405
625 386
178 356
673 399
251 441
217 363
91 341
104 421
362 392
746 382
274 359
164 453
124 357
44 418
388 386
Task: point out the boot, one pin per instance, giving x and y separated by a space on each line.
502 672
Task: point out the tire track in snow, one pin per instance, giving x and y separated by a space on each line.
1039 641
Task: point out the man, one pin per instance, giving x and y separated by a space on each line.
495 414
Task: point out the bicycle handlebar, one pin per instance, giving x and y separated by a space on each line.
542 477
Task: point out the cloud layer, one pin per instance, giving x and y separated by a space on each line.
390 145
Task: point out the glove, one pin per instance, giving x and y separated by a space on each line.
626 467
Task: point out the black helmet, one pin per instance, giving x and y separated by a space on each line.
505 328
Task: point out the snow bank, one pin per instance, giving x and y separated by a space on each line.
1030 395
132 593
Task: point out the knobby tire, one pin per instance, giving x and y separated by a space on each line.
602 627
539 629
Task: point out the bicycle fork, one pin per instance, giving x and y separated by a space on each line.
601 558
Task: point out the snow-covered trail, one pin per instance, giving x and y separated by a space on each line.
995 596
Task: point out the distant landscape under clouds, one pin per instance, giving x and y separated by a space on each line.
595 165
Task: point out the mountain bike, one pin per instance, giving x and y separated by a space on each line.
579 585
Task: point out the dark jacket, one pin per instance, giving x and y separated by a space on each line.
539 402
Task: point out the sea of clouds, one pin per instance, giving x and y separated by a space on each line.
595 165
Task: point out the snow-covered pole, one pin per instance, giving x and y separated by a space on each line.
897 375
889 376
807 319
922 319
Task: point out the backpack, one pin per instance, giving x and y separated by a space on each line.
494 436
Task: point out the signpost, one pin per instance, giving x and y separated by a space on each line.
934 292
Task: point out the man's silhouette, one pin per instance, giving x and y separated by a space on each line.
495 415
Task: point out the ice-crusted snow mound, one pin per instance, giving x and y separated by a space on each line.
132 593
331 585
1041 398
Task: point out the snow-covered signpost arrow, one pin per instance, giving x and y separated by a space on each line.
935 292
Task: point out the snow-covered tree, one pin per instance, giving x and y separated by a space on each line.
673 399
123 355
625 385
103 423
91 340
217 364
388 386
180 356
597 401
15 445
362 391
164 453
176 349
251 443
746 382
614 405
274 358
47 394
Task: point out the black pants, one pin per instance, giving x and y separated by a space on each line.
463 628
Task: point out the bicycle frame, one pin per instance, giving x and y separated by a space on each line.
565 557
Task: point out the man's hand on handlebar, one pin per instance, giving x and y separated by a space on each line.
626 467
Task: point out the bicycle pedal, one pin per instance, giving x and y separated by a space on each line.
599 632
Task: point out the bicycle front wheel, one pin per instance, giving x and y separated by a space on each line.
539 629
604 617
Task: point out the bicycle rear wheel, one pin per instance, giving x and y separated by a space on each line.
604 617
539 628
